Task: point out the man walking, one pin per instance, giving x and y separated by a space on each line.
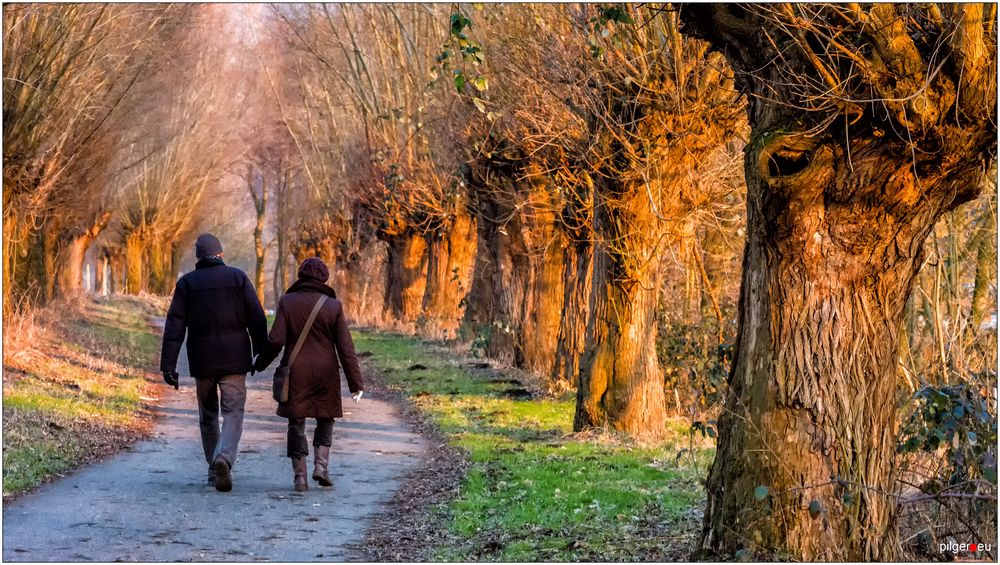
218 308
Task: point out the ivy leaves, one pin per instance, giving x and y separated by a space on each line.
606 15
470 56
762 492
957 419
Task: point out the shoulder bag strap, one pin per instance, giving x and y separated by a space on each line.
305 330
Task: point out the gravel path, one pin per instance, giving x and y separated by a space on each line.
151 502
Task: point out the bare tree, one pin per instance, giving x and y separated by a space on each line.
70 73
868 123
663 104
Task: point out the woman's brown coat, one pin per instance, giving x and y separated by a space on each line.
314 379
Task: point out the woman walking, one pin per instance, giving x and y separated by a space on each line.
313 376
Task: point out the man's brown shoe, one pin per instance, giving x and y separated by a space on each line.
223 480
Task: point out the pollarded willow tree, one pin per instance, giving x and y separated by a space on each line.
868 123
661 104
374 65
71 76
179 144
523 141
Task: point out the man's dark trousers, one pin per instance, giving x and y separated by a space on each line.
229 393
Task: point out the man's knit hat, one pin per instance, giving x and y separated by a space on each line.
207 246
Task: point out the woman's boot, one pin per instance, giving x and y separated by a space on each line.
299 465
320 471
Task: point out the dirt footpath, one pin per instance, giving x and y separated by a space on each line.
151 503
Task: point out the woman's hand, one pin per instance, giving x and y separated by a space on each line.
357 396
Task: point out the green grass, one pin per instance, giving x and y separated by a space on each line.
76 390
534 491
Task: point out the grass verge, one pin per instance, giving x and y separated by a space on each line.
75 386
535 491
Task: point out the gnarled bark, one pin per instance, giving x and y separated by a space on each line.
541 313
664 106
158 259
496 290
450 258
101 266
517 288
406 276
571 342
827 273
116 271
840 200
620 383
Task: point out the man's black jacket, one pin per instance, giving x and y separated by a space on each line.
218 307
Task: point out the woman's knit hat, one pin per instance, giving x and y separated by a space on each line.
314 268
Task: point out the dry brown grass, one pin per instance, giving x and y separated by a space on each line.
76 384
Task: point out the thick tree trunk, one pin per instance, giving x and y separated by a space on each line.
100 273
360 278
514 304
176 259
135 280
840 200
10 258
116 272
538 335
157 259
30 276
577 277
494 296
73 254
258 240
71 272
450 259
620 383
834 245
406 276
321 238
50 258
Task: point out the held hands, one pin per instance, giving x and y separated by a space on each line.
357 396
171 378
258 364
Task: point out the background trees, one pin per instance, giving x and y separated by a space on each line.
71 74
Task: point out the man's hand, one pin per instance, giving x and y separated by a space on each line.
357 396
258 366
171 378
